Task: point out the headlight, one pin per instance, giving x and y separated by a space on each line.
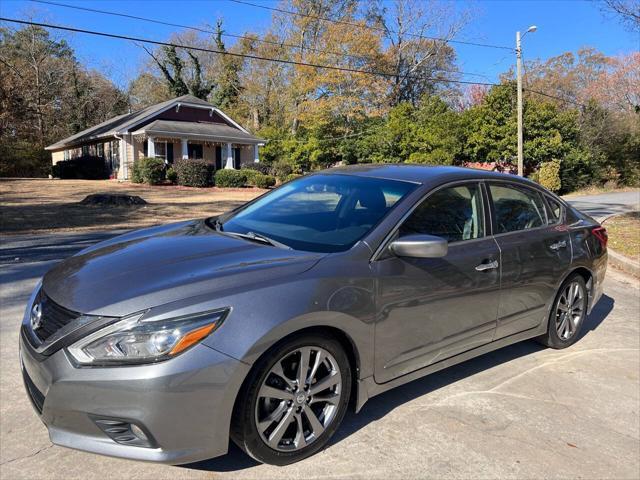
135 340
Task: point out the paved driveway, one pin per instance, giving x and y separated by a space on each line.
521 412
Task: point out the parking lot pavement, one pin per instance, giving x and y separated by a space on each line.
521 412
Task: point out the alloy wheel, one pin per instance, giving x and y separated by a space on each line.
298 398
569 311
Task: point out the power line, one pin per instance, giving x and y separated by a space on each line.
242 55
275 60
358 25
189 27
230 35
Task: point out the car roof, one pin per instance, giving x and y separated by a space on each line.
423 174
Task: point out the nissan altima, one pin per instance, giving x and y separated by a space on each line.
263 325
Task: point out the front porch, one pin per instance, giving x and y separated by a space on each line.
219 153
218 144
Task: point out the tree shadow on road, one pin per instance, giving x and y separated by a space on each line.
383 404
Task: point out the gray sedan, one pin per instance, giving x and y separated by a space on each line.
265 324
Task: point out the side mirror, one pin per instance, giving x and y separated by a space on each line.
419 246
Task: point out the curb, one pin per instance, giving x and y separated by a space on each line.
619 261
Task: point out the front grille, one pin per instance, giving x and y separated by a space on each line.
54 317
35 395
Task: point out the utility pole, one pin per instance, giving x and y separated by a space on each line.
532 28
519 83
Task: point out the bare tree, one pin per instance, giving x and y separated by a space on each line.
627 10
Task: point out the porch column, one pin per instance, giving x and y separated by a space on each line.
256 157
229 157
151 147
185 149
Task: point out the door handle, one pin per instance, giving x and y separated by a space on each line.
558 245
487 266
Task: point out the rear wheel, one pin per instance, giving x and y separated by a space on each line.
567 314
293 400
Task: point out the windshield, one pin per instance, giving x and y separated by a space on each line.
319 213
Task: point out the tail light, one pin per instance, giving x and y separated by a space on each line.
601 234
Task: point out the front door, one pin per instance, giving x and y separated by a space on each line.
219 165
169 158
536 253
236 158
433 308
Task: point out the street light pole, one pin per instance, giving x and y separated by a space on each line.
532 28
519 86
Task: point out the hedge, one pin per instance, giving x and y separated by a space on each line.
229 178
88 168
193 173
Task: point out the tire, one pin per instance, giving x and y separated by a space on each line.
563 330
270 413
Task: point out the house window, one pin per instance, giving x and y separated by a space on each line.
66 155
161 150
100 150
195 151
85 150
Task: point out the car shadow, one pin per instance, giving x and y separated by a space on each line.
385 403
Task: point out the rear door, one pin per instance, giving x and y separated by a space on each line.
434 308
535 255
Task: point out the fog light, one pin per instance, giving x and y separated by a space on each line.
137 431
124 432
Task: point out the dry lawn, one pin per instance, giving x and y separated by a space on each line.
624 234
42 205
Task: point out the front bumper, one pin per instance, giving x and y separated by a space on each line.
185 403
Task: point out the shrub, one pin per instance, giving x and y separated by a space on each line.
291 176
535 176
172 175
150 170
549 175
264 181
251 175
280 170
261 167
229 178
193 173
88 168
136 173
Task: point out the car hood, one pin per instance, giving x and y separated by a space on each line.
160 265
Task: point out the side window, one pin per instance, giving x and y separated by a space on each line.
517 208
454 213
555 210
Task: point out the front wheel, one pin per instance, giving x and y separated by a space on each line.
293 400
567 314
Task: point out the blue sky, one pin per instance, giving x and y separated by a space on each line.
562 26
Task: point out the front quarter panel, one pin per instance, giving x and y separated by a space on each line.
336 293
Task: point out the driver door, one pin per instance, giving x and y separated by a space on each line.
430 309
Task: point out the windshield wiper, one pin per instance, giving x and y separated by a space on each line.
257 237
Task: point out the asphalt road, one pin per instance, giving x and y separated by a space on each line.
602 205
521 412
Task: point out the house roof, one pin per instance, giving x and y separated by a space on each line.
122 123
198 129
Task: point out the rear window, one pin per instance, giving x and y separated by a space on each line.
517 208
